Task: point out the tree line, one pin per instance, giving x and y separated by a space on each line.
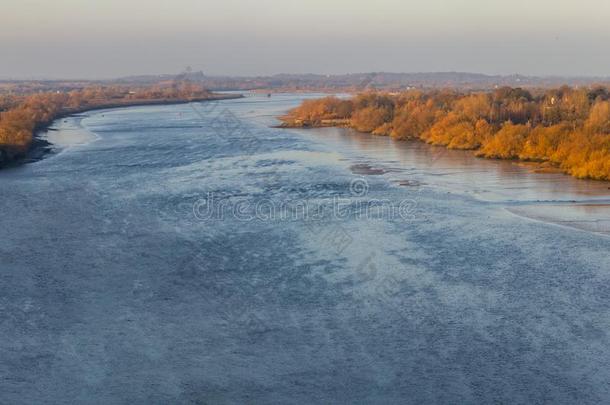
566 127
22 115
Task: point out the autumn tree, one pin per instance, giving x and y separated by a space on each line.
567 127
507 143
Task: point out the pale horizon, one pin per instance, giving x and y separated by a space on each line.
69 39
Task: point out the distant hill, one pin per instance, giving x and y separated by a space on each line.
314 82
374 80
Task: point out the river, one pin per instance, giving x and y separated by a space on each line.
194 254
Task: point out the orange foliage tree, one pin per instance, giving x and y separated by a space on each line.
569 128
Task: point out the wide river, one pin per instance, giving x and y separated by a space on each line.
194 254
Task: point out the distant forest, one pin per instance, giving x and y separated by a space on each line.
567 128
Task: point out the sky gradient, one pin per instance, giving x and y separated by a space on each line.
95 39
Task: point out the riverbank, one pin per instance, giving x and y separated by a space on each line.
535 166
11 155
563 129
299 123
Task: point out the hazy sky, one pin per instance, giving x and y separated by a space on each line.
109 38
